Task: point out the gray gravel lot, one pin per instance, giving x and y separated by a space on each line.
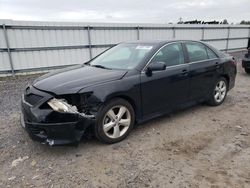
201 146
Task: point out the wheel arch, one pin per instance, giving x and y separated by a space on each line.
227 79
129 100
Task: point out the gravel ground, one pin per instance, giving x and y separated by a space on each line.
198 147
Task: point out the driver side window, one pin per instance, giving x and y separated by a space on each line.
171 55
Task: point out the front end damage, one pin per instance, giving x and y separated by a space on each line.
55 120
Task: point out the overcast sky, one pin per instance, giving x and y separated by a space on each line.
143 11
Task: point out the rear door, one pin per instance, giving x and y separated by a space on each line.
165 89
204 68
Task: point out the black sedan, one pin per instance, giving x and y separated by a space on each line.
246 62
127 84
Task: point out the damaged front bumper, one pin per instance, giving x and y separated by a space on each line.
50 127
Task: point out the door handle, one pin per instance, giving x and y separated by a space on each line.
217 65
184 72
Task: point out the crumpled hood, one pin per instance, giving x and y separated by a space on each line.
75 78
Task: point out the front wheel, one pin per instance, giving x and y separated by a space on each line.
219 92
114 121
247 70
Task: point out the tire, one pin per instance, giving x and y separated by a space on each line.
247 71
219 92
114 121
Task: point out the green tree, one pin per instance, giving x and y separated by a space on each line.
243 22
225 21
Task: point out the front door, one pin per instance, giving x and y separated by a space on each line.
165 89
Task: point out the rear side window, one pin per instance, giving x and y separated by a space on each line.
196 51
171 55
211 54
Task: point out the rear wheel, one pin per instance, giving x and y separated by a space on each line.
219 92
115 120
247 70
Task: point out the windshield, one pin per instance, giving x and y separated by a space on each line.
122 56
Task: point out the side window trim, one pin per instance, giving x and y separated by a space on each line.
211 51
185 52
193 62
205 46
150 60
207 53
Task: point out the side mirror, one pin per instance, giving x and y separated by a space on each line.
155 66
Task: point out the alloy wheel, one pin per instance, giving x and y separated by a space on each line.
220 91
116 121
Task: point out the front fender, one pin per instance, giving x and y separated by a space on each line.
128 88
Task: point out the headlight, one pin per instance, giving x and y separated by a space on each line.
60 105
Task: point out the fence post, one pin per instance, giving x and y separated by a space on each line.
89 41
138 33
203 33
173 32
8 50
248 45
228 35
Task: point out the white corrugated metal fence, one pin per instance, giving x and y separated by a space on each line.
31 46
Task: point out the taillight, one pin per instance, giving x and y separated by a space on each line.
233 61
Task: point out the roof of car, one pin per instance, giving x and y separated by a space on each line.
158 41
